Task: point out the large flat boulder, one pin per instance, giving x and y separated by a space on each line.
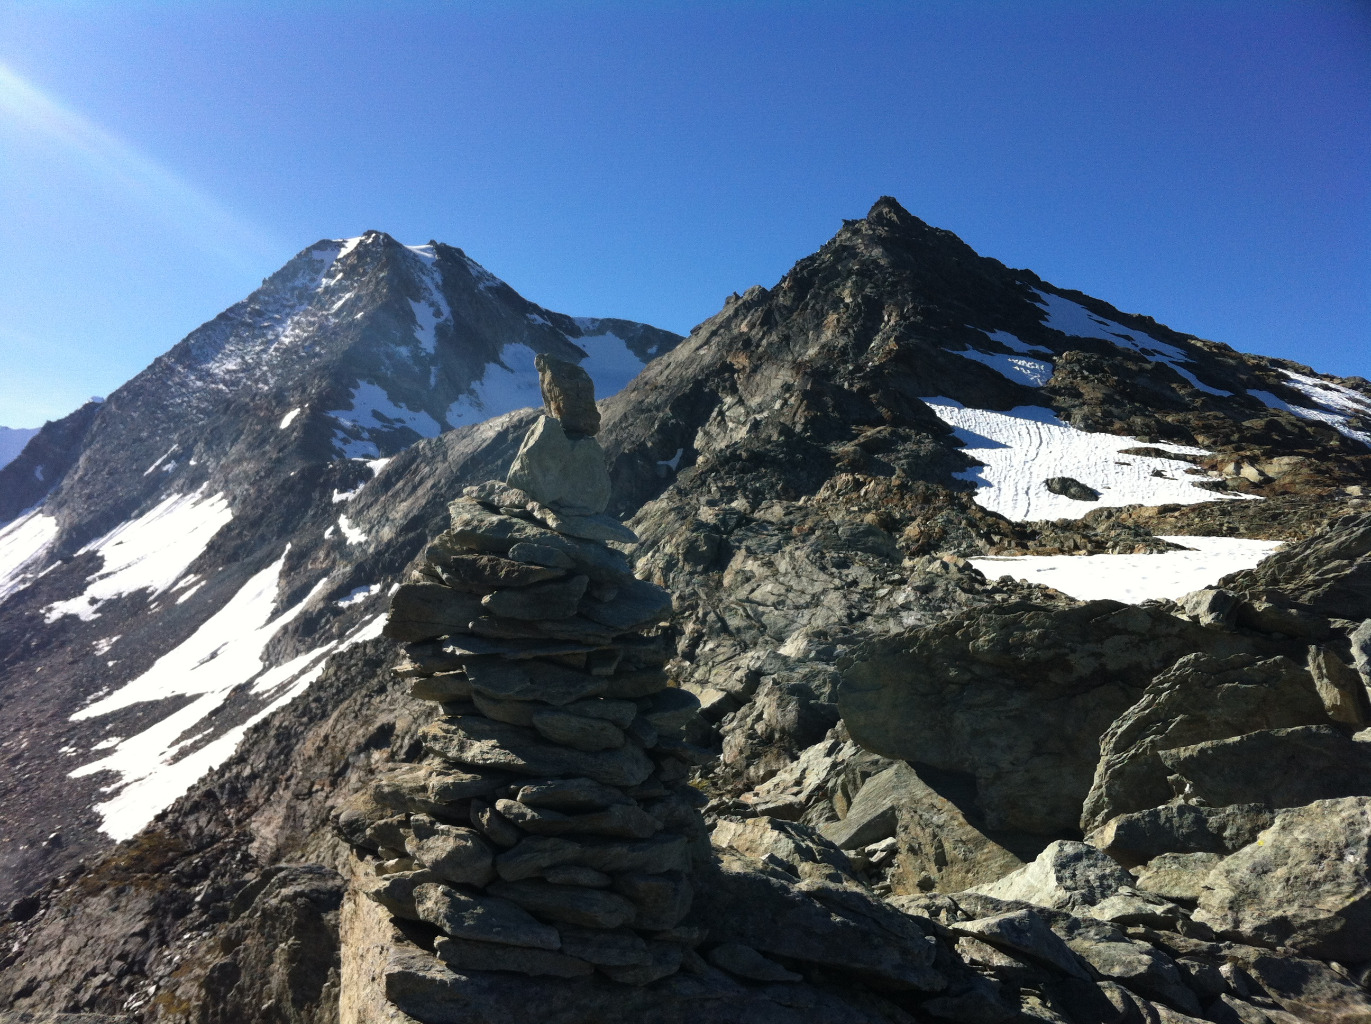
1304 883
1015 697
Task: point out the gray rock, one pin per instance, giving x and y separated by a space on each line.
672 709
494 825
448 686
480 574
746 962
622 821
396 891
486 744
637 604
464 955
1340 688
476 528
659 901
620 948
567 904
496 494
1274 767
1070 487
453 854
553 600
1305 883
482 918
1139 968
502 679
578 732
600 528
1178 876
571 795
1310 990
661 854
1361 652
568 394
1211 607
1025 934
546 555
1283 618
797 849
665 960
840 928
564 473
1198 699
574 874
428 788
419 611
1179 828
942 696
533 855
619 713
1066 876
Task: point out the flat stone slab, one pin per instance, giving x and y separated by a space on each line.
484 918
487 744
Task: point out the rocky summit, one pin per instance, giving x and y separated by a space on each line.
915 641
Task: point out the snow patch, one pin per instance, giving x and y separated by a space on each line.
373 409
1020 369
1028 445
289 418
501 389
357 595
353 535
674 462
1337 403
147 553
102 646
1012 342
1074 319
164 455
223 653
22 543
609 361
1134 578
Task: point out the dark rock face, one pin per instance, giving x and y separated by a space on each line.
45 460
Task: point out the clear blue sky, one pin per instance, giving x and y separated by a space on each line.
1208 164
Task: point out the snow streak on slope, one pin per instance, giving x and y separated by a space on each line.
1336 404
1020 369
1074 319
609 361
502 389
1029 445
147 553
224 653
22 543
1134 578
373 409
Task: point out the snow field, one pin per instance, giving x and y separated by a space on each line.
1074 319
147 553
1134 578
1028 445
1336 403
22 544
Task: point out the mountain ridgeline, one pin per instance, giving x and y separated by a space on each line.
971 799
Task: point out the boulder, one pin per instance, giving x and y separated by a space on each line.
452 853
746 962
1273 767
1025 934
1066 876
1199 698
1340 687
1304 883
464 955
567 474
482 918
599 528
1178 876
483 743
556 599
568 394
1179 828
799 850
1014 697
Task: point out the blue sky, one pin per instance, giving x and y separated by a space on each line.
1208 164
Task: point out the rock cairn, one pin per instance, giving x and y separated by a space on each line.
549 829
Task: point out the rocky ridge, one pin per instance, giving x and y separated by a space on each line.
799 547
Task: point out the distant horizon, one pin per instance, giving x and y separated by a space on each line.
1197 164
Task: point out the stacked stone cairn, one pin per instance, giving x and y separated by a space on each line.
549 828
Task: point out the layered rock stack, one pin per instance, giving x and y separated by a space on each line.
548 829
